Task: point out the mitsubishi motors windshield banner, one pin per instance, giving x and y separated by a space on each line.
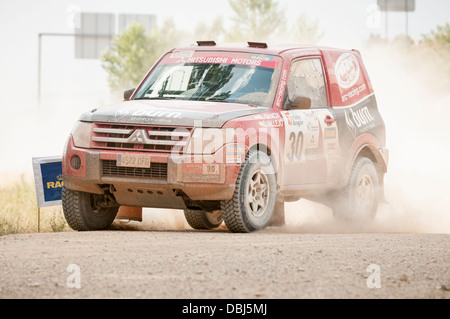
48 180
216 57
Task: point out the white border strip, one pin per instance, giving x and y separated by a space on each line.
349 106
37 161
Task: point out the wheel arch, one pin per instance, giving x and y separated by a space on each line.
371 152
273 158
367 145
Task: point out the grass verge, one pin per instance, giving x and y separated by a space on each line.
19 211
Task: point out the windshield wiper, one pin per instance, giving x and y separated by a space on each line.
155 98
217 100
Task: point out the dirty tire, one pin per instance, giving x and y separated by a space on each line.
358 201
200 219
252 205
81 215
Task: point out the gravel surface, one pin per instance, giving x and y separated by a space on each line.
218 264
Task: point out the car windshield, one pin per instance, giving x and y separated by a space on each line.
221 82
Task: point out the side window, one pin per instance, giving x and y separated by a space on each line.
306 78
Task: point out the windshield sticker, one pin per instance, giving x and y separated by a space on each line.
261 57
262 60
229 60
182 56
207 59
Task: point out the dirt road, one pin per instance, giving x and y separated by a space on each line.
218 264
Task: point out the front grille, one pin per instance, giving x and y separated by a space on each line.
139 137
156 170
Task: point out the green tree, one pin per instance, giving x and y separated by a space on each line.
306 30
438 39
215 31
435 50
127 59
255 20
134 51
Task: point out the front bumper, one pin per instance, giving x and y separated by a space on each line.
164 185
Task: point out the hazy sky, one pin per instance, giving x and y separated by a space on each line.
346 23
71 86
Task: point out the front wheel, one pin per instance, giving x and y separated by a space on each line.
358 201
200 219
252 205
85 211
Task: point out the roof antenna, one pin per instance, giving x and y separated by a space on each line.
206 43
262 45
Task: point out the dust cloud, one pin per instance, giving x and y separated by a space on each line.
415 105
412 100
155 219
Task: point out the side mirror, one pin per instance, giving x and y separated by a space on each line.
299 102
127 94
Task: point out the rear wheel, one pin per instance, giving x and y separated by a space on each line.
358 201
253 202
85 211
200 219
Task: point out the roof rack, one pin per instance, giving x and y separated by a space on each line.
257 45
206 43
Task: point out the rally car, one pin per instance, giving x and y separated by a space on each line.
229 133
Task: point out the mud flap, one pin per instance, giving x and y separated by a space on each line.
278 218
130 213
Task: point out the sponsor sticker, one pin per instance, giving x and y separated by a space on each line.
198 172
301 134
235 154
347 70
270 120
211 169
330 132
272 123
281 88
261 57
311 154
354 92
360 119
262 60
157 113
208 59
183 55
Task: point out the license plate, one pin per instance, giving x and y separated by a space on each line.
133 160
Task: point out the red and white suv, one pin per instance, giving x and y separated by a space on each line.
229 133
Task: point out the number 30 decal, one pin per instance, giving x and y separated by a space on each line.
296 140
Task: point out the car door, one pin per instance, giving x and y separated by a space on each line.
310 133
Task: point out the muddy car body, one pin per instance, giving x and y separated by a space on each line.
230 133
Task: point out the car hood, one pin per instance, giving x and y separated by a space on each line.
171 112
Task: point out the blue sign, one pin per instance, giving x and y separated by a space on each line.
48 180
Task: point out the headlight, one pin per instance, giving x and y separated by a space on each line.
82 134
209 140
